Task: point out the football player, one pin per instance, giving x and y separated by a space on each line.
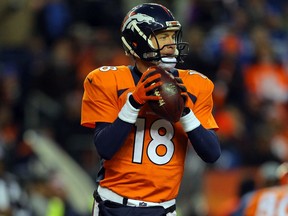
271 200
142 154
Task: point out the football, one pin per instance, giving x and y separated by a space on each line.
171 106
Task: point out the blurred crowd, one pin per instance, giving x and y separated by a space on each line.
47 47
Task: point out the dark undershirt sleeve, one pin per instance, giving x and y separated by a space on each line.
206 144
109 137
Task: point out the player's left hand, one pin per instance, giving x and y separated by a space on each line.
183 89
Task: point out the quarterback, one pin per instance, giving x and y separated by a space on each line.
142 154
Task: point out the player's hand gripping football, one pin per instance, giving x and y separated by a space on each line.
150 80
183 89
184 95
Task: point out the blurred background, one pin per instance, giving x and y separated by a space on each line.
48 163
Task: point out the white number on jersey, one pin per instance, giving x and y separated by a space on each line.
270 205
107 68
157 141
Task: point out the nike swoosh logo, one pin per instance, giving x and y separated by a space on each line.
90 80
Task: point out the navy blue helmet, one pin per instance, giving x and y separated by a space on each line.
144 21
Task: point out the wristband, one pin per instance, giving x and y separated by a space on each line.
189 122
128 113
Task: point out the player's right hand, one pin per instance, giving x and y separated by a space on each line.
147 83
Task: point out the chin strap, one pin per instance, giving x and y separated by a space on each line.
167 63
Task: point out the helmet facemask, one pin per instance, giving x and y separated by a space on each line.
181 49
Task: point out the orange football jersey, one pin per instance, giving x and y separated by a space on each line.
149 166
268 202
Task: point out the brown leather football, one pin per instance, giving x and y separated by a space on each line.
171 106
